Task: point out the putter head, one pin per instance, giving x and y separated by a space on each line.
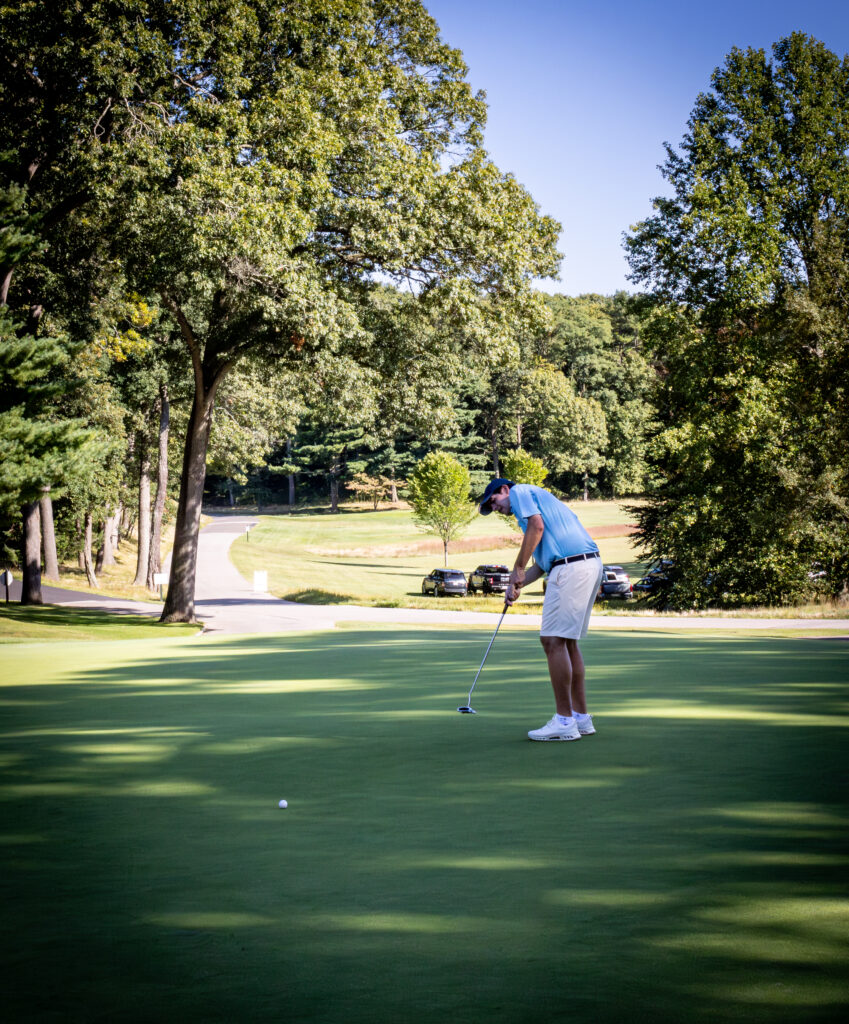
467 709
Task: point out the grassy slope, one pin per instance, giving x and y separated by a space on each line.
350 557
686 864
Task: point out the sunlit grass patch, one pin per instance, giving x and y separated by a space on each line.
437 866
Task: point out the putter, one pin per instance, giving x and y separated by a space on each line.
467 709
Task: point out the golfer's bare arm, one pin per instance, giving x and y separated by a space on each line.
533 535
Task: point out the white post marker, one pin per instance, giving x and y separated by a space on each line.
260 581
160 579
8 579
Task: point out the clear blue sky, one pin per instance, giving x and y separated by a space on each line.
582 96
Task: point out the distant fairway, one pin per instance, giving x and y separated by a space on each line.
366 557
687 864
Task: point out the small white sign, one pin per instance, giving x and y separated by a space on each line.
7 578
260 581
160 579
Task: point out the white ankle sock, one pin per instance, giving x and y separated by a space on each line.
564 719
581 714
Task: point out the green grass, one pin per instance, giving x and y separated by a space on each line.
688 863
50 622
367 558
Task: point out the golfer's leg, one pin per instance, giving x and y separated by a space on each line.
560 671
578 692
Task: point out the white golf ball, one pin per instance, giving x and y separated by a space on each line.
283 803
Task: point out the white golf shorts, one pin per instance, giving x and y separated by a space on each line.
569 597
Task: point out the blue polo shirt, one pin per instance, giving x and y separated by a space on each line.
563 535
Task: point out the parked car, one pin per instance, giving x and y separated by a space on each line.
445 581
491 579
652 580
615 583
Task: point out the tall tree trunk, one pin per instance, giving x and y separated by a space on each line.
31 551
586 486
445 552
154 563
80 555
117 533
493 437
5 281
180 599
143 553
393 492
89 568
519 432
231 498
127 522
98 560
334 492
291 475
48 537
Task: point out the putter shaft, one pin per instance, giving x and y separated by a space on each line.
491 642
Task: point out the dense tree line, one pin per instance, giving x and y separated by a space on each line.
576 394
260 249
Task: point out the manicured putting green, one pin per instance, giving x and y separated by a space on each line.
686 864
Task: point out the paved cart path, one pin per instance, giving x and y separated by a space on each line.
225 602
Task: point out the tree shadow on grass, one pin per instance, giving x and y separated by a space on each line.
66 620
430 866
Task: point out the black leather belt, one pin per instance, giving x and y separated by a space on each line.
574 558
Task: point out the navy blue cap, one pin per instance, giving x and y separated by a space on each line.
492 487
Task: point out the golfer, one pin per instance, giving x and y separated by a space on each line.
563 549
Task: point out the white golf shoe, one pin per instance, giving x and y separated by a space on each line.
554 730
585 725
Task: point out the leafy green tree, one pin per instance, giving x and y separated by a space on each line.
747 263
567 429
523 468
372 488
37 445
595 341
278 194
37 448
439 494
254 413
257 165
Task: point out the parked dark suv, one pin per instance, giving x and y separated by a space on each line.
491 579
445 581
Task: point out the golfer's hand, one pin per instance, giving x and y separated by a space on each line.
511 595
